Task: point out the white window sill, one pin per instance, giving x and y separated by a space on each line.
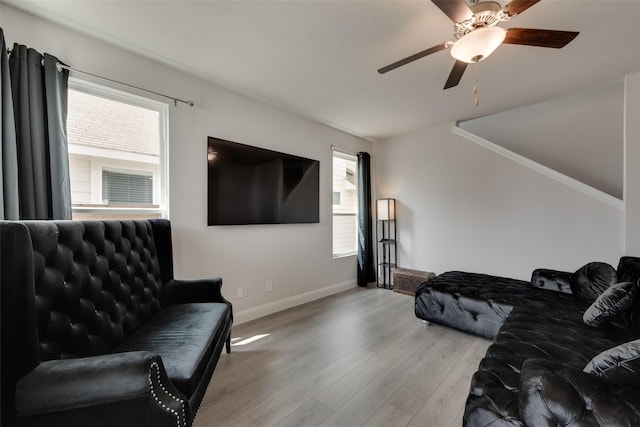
346 255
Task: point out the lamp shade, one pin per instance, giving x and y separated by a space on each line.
478 44
386 209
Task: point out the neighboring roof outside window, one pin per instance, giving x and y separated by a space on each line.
112 125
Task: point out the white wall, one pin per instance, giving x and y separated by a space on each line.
297 258
580 135
464 207
632 169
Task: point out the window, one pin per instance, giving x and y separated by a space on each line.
336 198
127 188
345 204
117 153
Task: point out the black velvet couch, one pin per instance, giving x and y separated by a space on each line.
95 330
546 366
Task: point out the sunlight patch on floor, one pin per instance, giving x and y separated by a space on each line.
239 341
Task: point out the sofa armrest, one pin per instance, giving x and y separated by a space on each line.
552 280
133 385
182 291
553 394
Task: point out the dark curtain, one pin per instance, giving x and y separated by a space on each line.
366 270
35 162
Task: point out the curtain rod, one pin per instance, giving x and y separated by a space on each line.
74 70
175 100
353 153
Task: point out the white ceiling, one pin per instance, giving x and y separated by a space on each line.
319 58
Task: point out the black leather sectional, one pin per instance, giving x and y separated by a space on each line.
97 332
546 366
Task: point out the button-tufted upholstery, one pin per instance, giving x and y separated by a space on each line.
532 373
472 302
96 283
82 291
550 331
554 394
552 280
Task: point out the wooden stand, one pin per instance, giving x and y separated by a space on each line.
406 281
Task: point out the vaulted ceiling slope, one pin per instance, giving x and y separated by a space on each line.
319 58
580 135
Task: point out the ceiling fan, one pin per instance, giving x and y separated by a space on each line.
478 35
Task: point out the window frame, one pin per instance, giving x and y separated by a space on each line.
335 152
129 172
161 179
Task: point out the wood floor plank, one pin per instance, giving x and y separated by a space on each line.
445 402
288 401
310 413
458 420
388 415
403 371
437 360
243 421
348 386
356 358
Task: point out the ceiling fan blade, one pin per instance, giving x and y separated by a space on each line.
456 10
542 38
413 57
456 74
516 7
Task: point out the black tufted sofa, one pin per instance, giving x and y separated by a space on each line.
533 374
96 331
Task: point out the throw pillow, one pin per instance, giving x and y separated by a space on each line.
611 303
629 269
593 279
620 364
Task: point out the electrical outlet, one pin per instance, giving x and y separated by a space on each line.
239 293
268 286
245 292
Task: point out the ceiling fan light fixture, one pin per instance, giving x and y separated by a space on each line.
478 44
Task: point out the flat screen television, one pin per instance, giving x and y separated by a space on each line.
251 185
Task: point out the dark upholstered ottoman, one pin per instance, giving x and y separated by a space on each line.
472 302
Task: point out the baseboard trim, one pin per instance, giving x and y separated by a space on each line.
283 304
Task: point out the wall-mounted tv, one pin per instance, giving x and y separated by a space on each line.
251 185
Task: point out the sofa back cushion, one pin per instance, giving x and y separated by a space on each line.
629 271
553 280
592 280
95 283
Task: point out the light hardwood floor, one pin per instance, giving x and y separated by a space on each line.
358 358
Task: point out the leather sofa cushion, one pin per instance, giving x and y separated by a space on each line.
552 280
629 269
620 364
612 303
471 302
181 335
553 394
478 303
551 330
593 279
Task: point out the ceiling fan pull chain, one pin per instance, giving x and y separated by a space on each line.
475 92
